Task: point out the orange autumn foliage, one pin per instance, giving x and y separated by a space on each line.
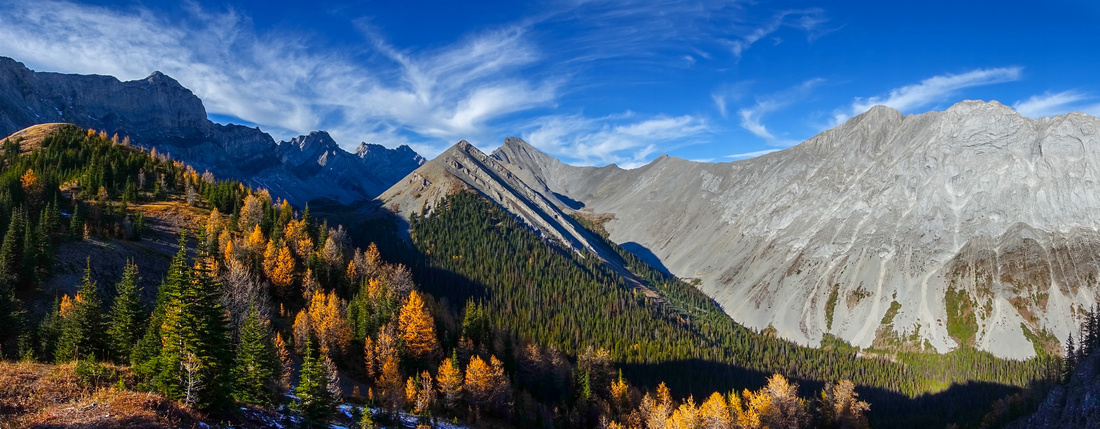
417 328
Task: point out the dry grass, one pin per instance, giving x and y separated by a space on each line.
32 136
171 216
36 395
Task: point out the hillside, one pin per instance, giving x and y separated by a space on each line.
886 213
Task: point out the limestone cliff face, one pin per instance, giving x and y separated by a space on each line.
998 209
158 112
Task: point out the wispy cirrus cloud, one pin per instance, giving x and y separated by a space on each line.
284 82
754 154
1050 104
811 21
929 91
751 117
624 139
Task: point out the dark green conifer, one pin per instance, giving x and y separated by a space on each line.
127 315
145 357
195 359
82 328
254 374
10 257
315 401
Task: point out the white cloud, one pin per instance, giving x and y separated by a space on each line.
751 116
621 139
754 154
280 81
1048 104
931 90
806 20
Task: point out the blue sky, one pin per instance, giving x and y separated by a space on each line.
592 82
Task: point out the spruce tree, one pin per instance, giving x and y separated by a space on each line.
11 320
49 331
82 329
10 258
195 360
315 402
31 253
1070 361
145 356
254 372
127 316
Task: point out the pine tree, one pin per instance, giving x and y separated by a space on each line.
49 332
145 357
11 320
195 360
315 403
127 315
10 257
1070 361
82 328
255 370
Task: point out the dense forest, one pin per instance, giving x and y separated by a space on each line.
480 319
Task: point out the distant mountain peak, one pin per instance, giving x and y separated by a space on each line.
159 112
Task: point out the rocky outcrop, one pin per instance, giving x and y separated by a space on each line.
1072 405
158 112
884 211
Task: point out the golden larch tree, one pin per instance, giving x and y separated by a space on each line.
450 383
685 417
714 413
282 271
417 328
425 396
328 323
486 385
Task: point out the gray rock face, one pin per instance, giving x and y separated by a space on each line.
389 165
158 112
883 208
1072 405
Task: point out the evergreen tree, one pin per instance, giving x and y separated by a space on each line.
145 357
1070 360
32 247
49 331
82 328
195 360
315 402
127 315
254 373
11 320
10 257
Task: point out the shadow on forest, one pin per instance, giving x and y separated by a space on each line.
961 403
569 202
646 256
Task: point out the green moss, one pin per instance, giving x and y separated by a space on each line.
962 325
830 305
888 318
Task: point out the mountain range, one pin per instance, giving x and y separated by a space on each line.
157 112
973 226
969 227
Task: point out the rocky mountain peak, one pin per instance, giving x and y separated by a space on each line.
313 142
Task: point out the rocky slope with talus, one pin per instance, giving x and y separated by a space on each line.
973 225
158 112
